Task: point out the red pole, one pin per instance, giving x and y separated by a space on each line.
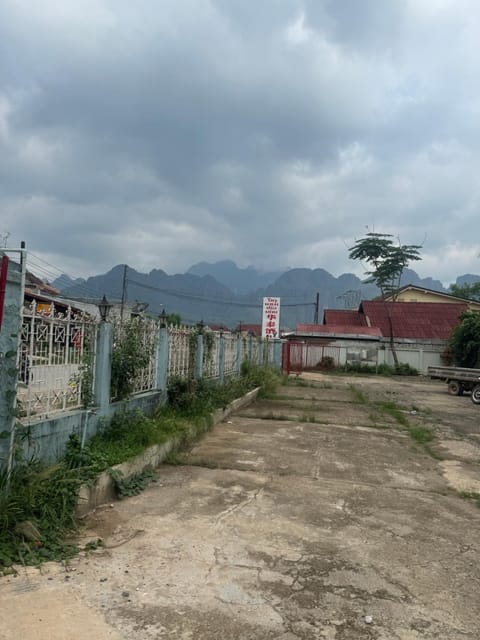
3 285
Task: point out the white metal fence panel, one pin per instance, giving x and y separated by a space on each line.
231 356
180 360
146 333
57 351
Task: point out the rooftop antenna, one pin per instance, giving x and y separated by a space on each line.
350 298
4 236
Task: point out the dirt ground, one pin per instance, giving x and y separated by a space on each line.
312 514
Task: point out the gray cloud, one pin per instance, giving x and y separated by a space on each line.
270 133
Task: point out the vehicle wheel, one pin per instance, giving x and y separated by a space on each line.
476 394
455 388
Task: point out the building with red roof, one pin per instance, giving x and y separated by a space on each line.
421 332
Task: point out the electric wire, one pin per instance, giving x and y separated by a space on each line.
220 301
52 273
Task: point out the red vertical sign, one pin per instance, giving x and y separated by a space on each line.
3 285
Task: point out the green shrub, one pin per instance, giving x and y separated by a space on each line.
403 369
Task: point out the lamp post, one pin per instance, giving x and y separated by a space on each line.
163 319
104 307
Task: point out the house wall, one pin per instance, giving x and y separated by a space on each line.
419 355
416 295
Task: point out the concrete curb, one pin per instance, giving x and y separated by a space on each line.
102 490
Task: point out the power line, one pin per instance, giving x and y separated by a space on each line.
89 291
190 296
50 275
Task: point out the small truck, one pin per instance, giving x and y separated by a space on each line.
458 379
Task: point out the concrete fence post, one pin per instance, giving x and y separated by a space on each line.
199 357
10 356
277 353
221 358
162 360
260 346
239 353
250 348
103 364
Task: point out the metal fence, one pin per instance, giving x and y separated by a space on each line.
180 352
231 354
139 335
56 347
303 356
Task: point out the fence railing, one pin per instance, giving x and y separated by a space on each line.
138 337
58 350
231 364
180 362
55 348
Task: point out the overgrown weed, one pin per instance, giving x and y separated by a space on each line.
38 503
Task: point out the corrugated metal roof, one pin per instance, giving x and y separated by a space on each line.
419 320
255 329
339 329
344 317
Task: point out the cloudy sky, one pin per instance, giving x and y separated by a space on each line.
270 132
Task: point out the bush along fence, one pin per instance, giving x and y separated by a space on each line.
73 372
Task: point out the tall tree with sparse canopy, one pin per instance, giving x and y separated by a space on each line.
467 291
387 261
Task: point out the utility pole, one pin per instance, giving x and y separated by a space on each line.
124 292
317 300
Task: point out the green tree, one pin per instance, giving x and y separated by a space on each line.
387 261
174 319
467 291
465 340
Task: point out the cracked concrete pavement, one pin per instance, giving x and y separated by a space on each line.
296 519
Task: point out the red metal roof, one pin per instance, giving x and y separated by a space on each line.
340 329
343 316
254 329
428 320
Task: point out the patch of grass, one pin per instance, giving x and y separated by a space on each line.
300 382
133 485
37 508
422 435
275 416
93 545
358 394
471 495
305 417
175 458
393 410
402 369
325 385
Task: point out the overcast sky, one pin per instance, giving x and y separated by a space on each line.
270 132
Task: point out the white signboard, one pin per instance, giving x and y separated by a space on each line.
271 318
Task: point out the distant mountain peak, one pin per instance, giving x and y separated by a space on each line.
240 280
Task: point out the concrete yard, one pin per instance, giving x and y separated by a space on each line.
312 514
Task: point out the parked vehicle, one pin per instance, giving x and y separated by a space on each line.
458 379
